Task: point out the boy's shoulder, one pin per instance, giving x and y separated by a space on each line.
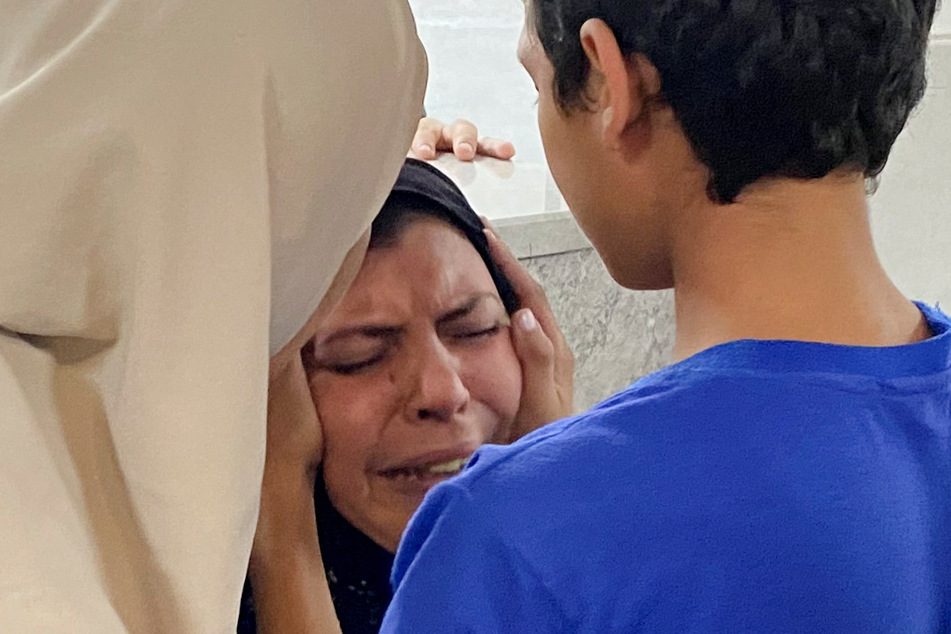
737 397
623 432
720 476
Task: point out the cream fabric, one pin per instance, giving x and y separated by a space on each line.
169 169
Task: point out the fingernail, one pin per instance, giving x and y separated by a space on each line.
526 320
425 149
466 148
490 234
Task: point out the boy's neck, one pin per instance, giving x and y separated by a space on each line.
791 259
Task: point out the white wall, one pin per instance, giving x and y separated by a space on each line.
942 23
911 212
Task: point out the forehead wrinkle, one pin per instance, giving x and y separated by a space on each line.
368 331
393 291
467 307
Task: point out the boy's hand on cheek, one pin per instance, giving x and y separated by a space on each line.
547 361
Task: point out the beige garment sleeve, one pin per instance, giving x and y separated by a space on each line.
180 181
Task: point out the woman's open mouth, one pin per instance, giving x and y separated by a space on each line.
438 469
416 478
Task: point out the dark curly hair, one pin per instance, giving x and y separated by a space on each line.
794 88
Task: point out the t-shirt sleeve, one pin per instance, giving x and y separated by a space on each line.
456 572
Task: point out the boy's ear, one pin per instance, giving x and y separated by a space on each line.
620 87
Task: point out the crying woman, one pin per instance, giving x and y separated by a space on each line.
441 344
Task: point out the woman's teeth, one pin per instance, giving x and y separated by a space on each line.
450 467
453 466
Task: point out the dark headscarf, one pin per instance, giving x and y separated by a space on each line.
423 189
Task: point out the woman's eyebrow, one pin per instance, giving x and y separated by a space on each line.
377 332
466 308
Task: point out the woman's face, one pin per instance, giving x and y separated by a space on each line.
414 370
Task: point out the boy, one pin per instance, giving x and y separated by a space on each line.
791 471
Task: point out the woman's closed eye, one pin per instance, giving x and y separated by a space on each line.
472 332
480 318
348 359
483 332
354 367
355 350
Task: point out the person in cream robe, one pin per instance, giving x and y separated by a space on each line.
180 184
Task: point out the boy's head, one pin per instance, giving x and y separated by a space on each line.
644 104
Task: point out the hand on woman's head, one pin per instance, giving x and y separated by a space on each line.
293 451
294 437
460 137
547 361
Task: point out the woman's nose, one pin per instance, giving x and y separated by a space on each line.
438 392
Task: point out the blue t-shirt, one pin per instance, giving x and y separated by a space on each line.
759 486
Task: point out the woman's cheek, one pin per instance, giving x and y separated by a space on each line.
345 409
497 379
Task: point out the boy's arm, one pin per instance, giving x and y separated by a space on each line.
456 572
